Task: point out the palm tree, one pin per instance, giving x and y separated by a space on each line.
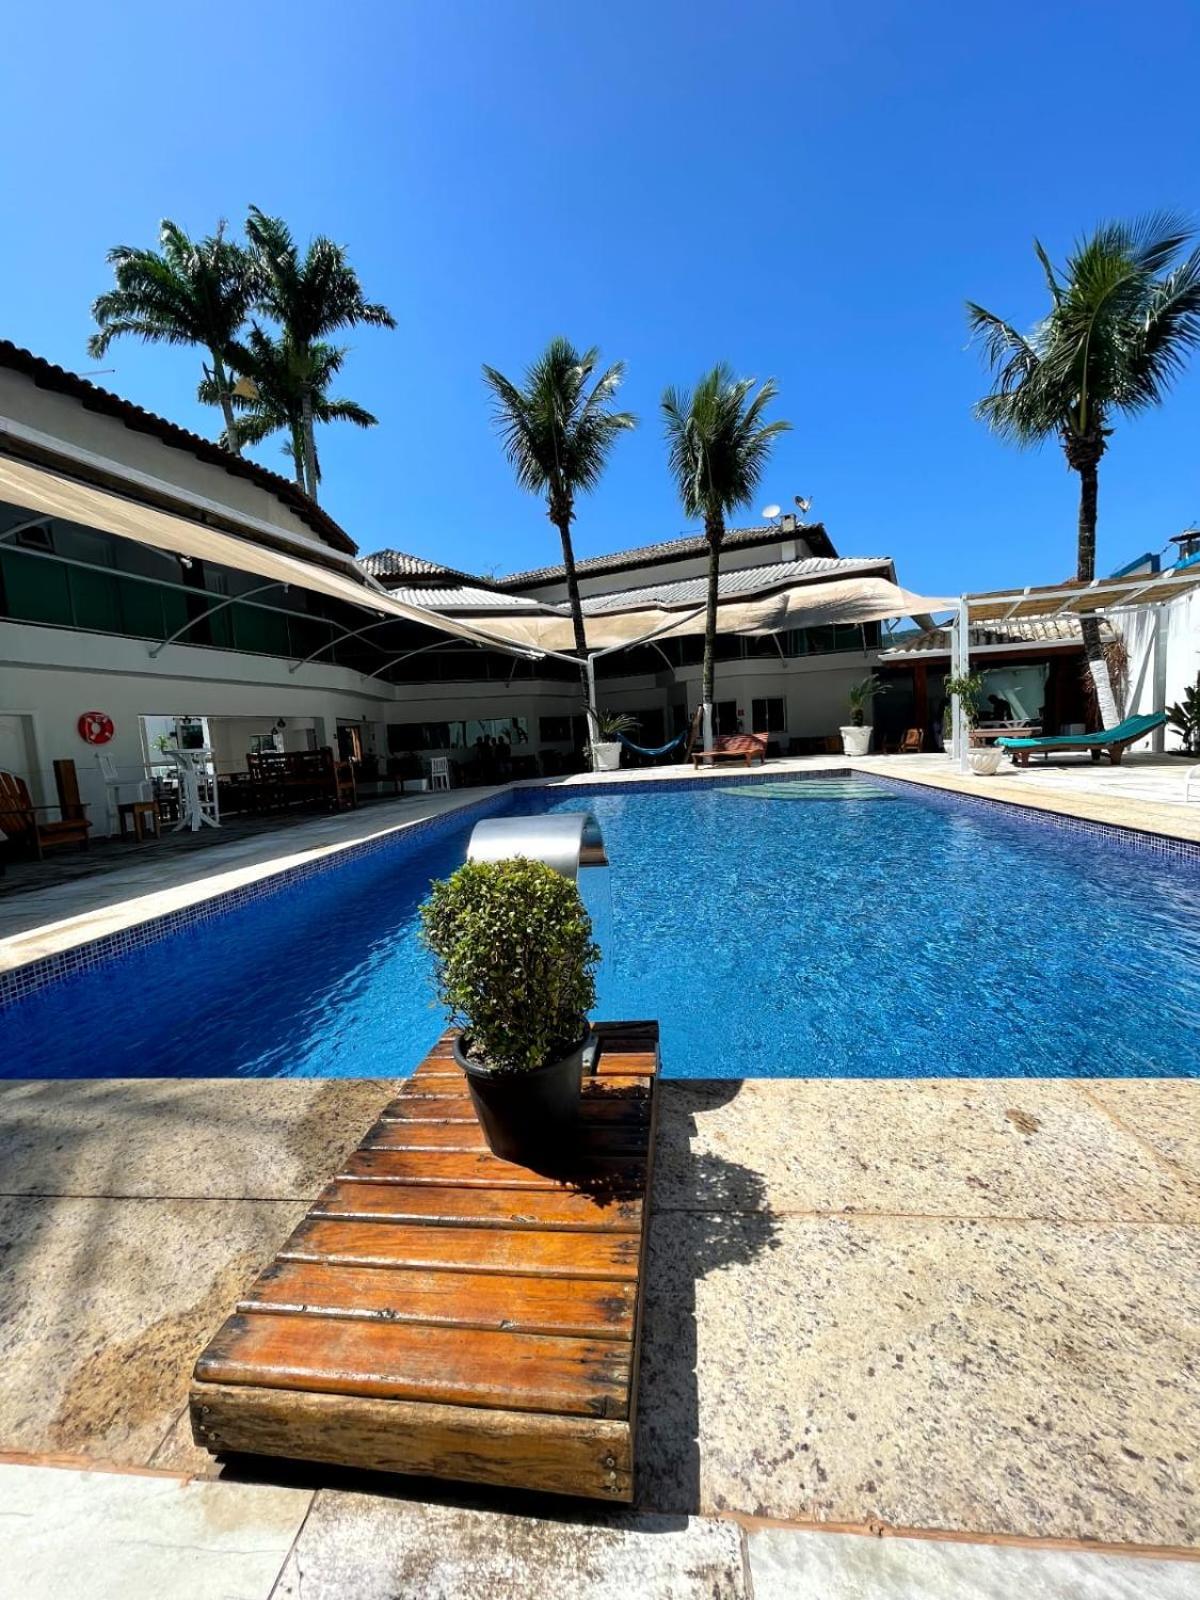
1124 314
558 429
191 292
310 296
273 379
719 447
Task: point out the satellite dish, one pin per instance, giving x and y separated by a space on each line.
802 503
770 511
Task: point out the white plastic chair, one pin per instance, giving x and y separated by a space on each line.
439 772
113 784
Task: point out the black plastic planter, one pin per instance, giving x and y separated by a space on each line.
527 1116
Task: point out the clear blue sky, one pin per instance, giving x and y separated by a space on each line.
807 190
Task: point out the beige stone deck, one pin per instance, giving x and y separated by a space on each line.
967 1307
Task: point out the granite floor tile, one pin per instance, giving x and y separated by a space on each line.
123 1536
271 1138
945 1147
104 1307
378 1548
787 1565
1021 1378
1164 1113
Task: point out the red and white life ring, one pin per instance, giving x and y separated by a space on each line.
96 727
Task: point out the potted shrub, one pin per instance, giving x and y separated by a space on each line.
969 689
1184 717
516 969
606 752
856 738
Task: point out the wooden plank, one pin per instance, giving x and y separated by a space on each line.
557 1254
607 1138
442 1311
607 1175
582 1307
486 1208
451 1112
399 1361
557 1455
450 1084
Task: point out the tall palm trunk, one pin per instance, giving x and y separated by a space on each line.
221 379
298 454
310 443
714 528
560 515
1083 454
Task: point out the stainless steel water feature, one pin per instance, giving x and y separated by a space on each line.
566 841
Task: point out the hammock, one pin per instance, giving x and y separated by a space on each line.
662 750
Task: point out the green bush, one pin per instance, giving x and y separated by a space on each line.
515 960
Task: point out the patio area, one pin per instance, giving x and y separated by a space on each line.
979 1300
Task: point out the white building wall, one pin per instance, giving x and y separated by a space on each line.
62 416
50 676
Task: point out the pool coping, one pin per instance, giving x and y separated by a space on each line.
31 960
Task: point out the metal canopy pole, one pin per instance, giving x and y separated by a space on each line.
211 611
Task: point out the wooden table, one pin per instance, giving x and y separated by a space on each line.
443 1312
140 812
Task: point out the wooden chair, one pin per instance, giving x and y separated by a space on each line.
743 747
19 816
913 742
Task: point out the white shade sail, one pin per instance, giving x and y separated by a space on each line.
805 605
51 495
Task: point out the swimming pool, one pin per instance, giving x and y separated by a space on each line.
820 928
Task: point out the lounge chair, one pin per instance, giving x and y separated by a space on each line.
1112 742
19 816
734 747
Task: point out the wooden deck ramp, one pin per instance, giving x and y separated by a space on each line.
441 1311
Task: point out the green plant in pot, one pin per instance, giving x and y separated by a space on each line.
856 737
515 962
610 725
1184 717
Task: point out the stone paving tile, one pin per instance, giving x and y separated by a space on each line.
123 1536
787 1565
949 1147
104 1307
1164 1113
375 1548
271 1138
1023 1378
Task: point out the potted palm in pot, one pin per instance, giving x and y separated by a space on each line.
515 966
606 752
856 737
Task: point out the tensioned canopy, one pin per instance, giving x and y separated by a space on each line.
804 605
50 495
1077 598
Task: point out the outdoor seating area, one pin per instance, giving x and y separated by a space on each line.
31 829
1111 742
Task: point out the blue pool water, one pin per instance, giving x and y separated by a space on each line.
849 930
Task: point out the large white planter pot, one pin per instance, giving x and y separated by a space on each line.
606 757
856 741
985 763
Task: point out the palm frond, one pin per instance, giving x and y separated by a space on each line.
718 443
557 433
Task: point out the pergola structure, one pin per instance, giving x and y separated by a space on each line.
1100 597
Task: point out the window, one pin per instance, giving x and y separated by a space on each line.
725 713
769 715
554 730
